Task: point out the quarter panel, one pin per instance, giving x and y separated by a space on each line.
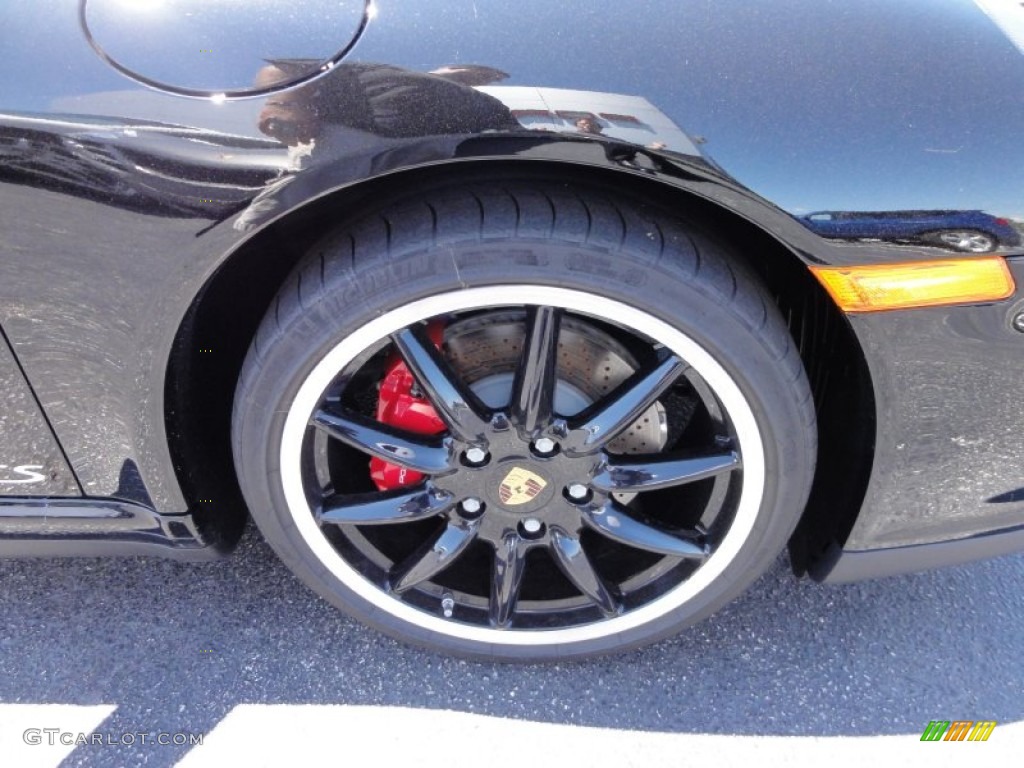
120 201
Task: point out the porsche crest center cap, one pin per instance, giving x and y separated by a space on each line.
520 486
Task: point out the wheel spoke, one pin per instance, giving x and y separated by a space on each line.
462 411
384 508
434 556
575 564
428 455
533 393
509 564
649 473
604 420
613 521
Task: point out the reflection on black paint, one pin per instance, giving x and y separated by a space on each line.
365 118
963 231
1005 498
155 168
130 485
360 112
378 100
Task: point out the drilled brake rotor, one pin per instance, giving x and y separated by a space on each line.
485 349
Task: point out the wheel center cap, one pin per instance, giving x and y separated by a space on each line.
520 486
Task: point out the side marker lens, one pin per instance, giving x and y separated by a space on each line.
918 284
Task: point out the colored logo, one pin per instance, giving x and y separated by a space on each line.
958 730
520 486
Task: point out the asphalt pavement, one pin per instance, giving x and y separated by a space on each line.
153 646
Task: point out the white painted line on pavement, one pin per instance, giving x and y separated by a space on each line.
25 742
317 735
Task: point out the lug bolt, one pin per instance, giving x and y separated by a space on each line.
476 456
1018 322
578 491
471 506
531 526
544 446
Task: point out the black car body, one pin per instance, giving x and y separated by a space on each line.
170 170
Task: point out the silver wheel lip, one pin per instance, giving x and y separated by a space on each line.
718 379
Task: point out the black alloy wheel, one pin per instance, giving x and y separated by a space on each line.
613 463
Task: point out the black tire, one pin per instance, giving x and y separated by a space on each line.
597 261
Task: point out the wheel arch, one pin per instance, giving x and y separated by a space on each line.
213 338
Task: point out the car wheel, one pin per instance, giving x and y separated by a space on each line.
524 422
966 241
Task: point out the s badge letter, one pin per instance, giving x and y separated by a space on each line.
24 474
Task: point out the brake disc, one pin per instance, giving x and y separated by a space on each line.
485 349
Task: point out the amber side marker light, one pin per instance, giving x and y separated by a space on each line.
879 287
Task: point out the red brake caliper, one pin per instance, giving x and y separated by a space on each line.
401 405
